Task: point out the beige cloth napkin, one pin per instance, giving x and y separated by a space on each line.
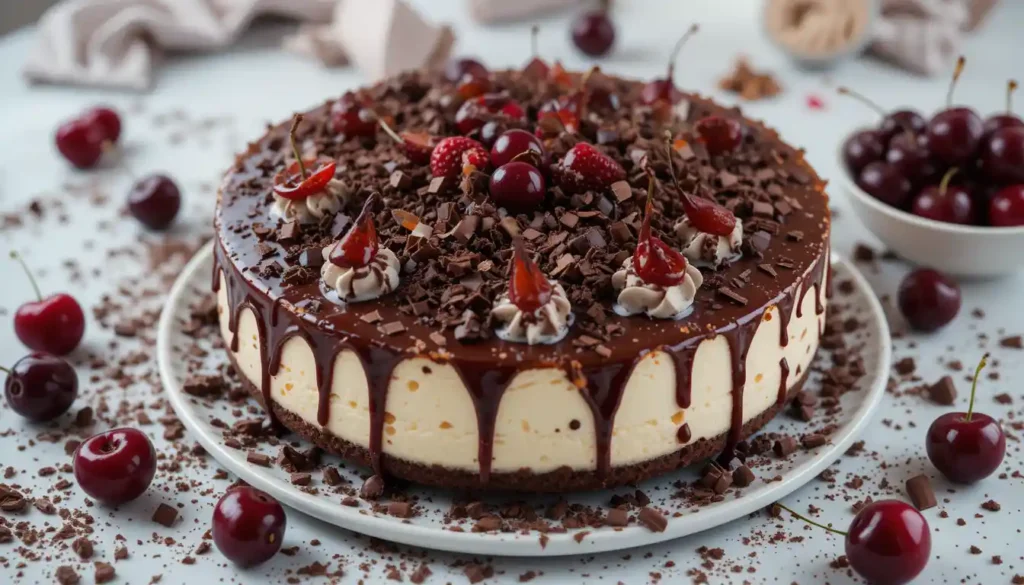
923 36
113 43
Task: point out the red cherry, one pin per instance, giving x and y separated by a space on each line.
928 299
720 135
888 542
528 288
248 526
909 154
516 143
473 113
1005 120
353 115
654 260
593 32
664 90
359 245
54 324
966 447
1007 207
452 154
115 466
154 201
458 69
40 387
536 68
945 202
1002 155
704 214
884 182
861 148
296 181
902 121
81 143
517 186
416 145
106 120
585 168
955 133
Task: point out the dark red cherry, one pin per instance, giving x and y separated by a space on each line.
664 90
353 116
888 543
900 121
928 299
862 148
705 214
909 154
719 134
40 386
528 288
1006 209
54 324
653 260
248 526
884 182
359 246
473 113
593 32
517 186
966 446
106 120
154 201
81 143
457 69
516 143
1002 155
954 134
115 466
945 202
417 146
1005 120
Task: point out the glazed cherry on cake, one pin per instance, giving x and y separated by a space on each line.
303 178
888 542
664 89
155 201
40 386
593 32
353 115
928 299
655 261
248 526
418 146
528 289
517 186
360 244
966 446
116 466
54 324
719 134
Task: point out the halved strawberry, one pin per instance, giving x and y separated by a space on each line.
586 168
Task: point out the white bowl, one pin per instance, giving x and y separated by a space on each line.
961 250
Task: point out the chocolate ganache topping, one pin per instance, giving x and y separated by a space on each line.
581 231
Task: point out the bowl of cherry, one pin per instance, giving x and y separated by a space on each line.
945 192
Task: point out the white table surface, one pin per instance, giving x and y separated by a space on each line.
255 83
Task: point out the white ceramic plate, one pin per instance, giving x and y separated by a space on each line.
429 529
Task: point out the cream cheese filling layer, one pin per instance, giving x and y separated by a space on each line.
431 419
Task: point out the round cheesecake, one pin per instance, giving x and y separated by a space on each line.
422 376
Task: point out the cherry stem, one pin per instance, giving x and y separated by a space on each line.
295 145
6 371
960 62
1011 86
675 50
534 31
387 130
944 184
811 522
974 386
843 90
16 256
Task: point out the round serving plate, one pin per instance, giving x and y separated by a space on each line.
430 528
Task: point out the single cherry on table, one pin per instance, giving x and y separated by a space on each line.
40 386
248 526
966 446
664 90
116 466
888 542
593 32
154 201
83 140
928 299
54 324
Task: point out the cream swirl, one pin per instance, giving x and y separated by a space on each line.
658 302
706 249
354 285
311 209
548 324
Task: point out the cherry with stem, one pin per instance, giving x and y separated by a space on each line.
528 289
954 134
653 260
665 89
359 245
417 145
54 324
704 214
296 182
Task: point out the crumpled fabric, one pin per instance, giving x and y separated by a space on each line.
923 36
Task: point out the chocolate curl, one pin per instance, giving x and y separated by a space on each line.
385 37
